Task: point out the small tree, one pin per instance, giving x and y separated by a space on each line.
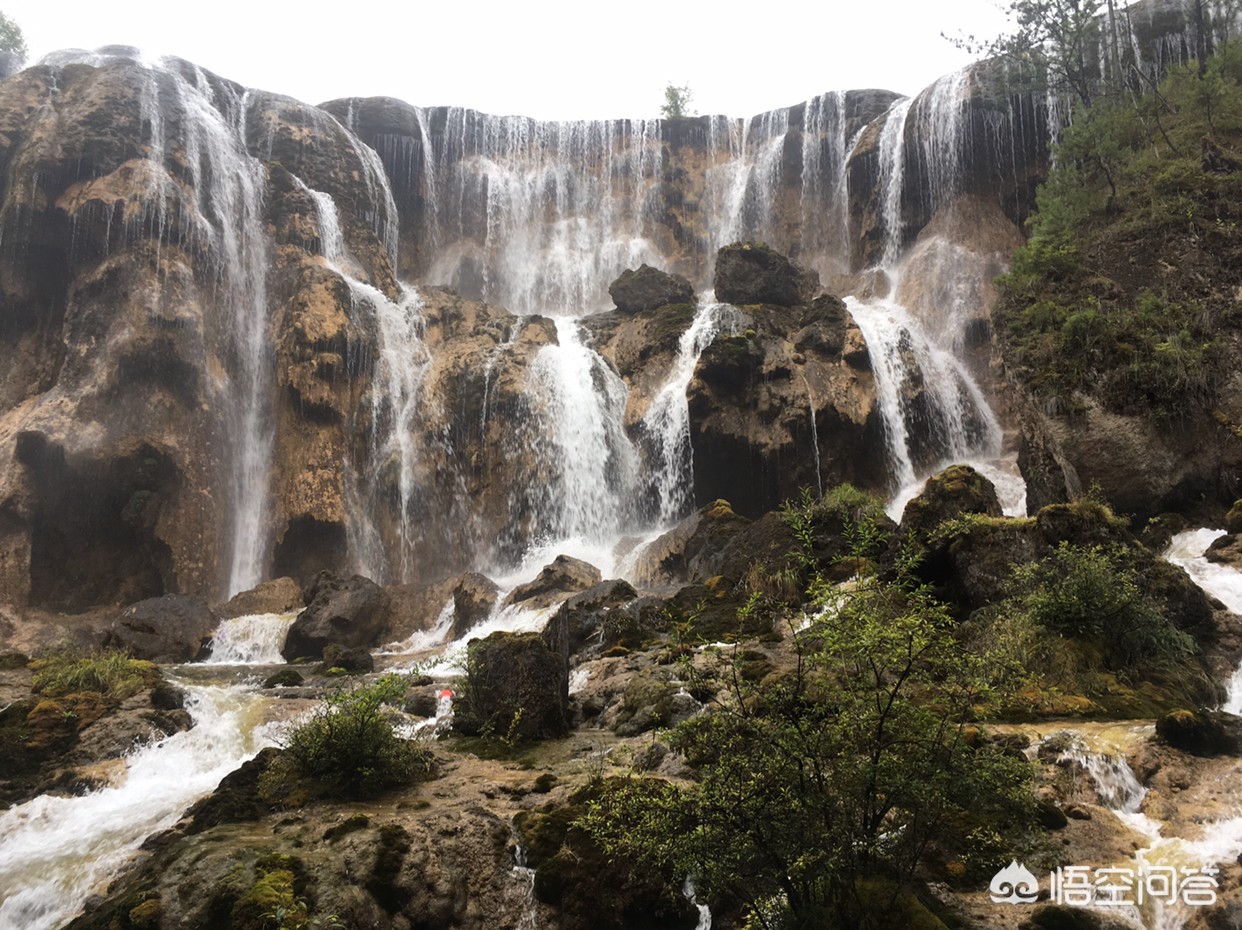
676 101
12 46
818 797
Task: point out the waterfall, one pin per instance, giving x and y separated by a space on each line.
892 180
824 199
589 466
56 851
544 215
742 189
667 421
396 402
255 639
933 412
1187 550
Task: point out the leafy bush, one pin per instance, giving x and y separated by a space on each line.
1093 593
350 747
109 672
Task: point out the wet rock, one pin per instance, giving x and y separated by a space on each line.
1201 732
516 687
349 612
747 273
237 798
691 551
356 660
173 628
583 616
278 596
1058 917
474 597
563 575
956 491
1233 519
648 289
285 678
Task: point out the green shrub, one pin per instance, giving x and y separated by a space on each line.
1093 593
350 747
110 672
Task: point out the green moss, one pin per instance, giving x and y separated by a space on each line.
270 903
108 672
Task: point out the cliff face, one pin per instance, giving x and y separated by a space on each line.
213 372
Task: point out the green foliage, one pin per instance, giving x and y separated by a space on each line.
676 101
1051 45
11 38
349 745
818 797
108 672
1093 593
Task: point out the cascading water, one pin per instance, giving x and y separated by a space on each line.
56 851
741 190
591 466
255 639
667 421
1187 550
196 131
396 402
543 216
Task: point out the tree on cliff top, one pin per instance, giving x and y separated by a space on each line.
676 101
12 46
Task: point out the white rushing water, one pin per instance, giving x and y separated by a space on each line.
667 421
590 465
1223 582
56 851
255 639
934 413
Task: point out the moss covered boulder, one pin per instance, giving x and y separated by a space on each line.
516 687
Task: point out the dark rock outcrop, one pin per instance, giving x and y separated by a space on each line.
173 628
747 273
346 612
1201 732
649 289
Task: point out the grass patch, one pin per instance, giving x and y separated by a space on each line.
109 672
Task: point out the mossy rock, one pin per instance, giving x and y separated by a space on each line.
1200 732
1233 519
146 916
593 891
1058 917
13 660
285 678
271 894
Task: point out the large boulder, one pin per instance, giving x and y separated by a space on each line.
343 611
469 599
583 616
747 273
278 596
648 289
1201 732
692 550
173 628
516 687
954 492
563 575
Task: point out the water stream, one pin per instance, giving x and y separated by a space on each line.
56 851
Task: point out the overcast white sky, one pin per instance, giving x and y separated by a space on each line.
550 59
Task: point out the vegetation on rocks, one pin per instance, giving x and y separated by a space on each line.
108 672
820 792
349 746
1124 293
